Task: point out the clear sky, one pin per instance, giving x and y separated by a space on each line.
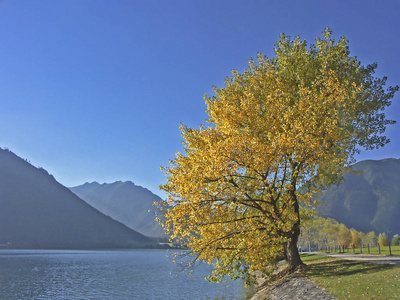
95 90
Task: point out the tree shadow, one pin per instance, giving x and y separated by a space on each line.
344 268
305 257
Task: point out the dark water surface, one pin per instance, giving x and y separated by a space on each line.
133 274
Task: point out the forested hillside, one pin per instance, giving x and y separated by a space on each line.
369 201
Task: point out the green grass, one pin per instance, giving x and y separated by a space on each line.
375 250
346 279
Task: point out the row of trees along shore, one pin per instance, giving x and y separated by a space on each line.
282 131
326 234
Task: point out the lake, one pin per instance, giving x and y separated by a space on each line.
131 274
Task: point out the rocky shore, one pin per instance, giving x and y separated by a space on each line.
289 286
295 286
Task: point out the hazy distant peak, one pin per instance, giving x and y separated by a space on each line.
126 202
95 183
119 182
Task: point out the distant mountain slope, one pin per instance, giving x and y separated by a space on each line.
124 202
38 212
367 201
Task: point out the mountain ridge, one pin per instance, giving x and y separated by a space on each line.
38 212
126 202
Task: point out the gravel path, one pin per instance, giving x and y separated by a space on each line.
375 259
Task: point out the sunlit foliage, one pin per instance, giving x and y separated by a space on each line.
383 239
280 132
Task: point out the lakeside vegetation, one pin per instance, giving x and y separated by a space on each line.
326 234
346 279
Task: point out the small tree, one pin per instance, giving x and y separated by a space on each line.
345 236
322 232
396 240
355 238
362 237
308 228
383 239
330 231
370 238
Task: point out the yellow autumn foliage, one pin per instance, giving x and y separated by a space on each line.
279 132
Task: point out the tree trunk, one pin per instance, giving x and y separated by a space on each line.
292 252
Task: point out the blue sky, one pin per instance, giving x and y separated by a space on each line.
95 90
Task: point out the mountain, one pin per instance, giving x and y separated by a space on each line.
367 201
126 202
39 213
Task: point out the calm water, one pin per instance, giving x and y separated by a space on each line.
133 274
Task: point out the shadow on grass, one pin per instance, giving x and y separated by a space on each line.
343 268
306 258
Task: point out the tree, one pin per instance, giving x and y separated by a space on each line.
383 239
355 238
370 238
362 238
328 232
322 232
280 132
308 229
344 236
396 240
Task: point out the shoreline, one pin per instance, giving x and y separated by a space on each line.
288 286
294 286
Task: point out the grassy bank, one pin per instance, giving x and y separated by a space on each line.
346 279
